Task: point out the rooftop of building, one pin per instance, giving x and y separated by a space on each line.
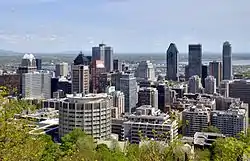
87 98
81 60
199 108
148 112
63 79
206 138
231 111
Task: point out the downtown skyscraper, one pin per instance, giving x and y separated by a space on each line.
215 70
104 53
227 61
80 74
172 63
195 60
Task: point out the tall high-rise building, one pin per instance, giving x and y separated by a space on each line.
98 52
118 103
80 74
104 53
128 86
186 72
172 63
204 74
90 112
28 64
115 79
145 70
215 70
62 70
97 69
36 85
195 60
162 93
227 61
108 59
194 84
117 65
210 85
39 64
148 96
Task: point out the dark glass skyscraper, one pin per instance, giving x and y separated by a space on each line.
39 64
204 74
172 63
195 60
227 61
104 53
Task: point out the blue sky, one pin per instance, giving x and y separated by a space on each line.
127 25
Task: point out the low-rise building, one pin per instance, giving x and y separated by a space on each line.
195 118
232 121
150 123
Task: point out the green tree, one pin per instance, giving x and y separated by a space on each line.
227 149
202 154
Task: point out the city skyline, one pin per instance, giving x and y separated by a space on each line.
50 26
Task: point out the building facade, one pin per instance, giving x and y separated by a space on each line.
215 70
210 85
151 123
148 96
128 86
91 112
117 65
118 103
195 119
97 69
36 85
195 60
145 71
172 63
194 84
230 122
80 78
227 61
62 70
104 53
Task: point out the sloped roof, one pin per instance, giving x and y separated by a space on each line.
81 60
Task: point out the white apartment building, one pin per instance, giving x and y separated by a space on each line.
232 121
151 123
195 118
90 112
